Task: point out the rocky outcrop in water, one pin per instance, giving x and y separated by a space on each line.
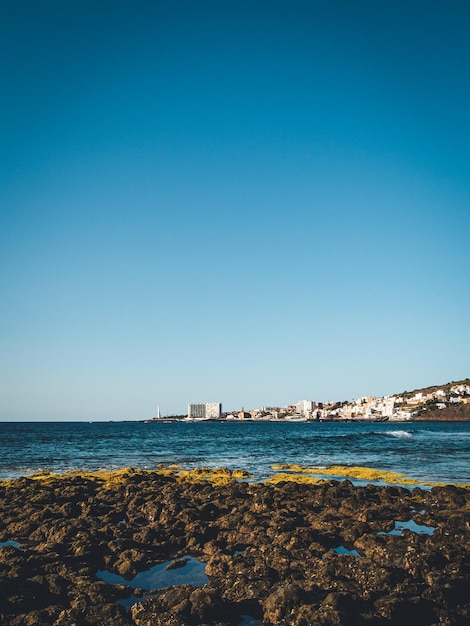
284 554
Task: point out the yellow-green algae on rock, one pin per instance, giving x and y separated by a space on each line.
367 473
217 476
296 473
283 477
222 476
361 473
101 476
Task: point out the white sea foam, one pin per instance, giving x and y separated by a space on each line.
400 434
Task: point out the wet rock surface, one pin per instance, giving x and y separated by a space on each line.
268 549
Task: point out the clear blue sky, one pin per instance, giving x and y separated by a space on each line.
252 202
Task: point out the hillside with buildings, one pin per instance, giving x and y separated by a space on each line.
448 402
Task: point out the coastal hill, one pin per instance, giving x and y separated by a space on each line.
447 402
457 413
431 406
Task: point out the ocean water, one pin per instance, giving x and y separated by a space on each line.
422 451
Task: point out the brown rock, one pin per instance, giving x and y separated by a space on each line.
280 602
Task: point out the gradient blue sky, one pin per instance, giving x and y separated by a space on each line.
252 202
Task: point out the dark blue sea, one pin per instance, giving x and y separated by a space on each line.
427 452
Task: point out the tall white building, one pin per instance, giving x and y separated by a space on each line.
204 410
388 406
304 407
213 409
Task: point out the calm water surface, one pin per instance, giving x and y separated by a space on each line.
424 451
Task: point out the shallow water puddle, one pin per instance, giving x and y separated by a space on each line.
419 529
186 570
191 572
343 550
12 544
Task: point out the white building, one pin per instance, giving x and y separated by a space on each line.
213 409
204 410
388 406
304 407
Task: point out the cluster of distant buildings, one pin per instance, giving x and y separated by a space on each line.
404 407
213 410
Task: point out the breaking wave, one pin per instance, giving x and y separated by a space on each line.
400 434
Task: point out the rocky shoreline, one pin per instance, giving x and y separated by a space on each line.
327 554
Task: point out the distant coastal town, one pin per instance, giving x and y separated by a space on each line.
449 402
